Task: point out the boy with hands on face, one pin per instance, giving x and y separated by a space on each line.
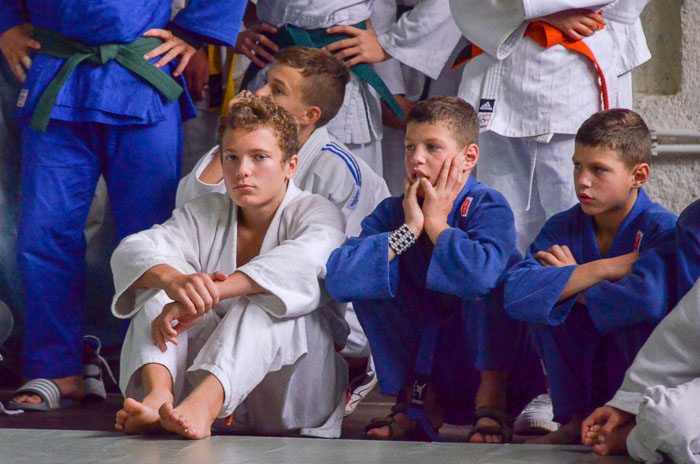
421 277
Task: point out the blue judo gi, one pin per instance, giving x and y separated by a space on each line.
105 120
688 249
587 349
435 312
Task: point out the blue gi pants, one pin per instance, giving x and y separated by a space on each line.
10 285
461 352
585 367
60 168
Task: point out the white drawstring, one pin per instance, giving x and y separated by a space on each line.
102 360
532 179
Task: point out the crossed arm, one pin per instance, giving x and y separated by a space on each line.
588 274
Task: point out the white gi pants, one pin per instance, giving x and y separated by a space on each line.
662 386
668 422
274 382
536 178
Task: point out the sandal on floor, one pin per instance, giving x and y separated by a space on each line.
503 428
48 391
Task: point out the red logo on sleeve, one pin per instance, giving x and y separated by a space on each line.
638 240
465 206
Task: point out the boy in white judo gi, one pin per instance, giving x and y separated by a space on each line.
310 84
239 272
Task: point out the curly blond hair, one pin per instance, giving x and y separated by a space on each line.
252 113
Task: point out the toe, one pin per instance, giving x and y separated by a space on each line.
379 432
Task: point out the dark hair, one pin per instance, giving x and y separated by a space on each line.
325 78
621 130
455 113
252 113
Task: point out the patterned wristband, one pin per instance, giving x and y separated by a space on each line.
401 239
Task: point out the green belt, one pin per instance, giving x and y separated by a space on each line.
128 55
318 38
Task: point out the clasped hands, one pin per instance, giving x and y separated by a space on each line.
438 200
194 295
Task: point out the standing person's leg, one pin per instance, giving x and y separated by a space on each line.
507 165
554 174
10 284
142 170
60 168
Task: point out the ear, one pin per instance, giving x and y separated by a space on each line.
640 174
311 116
291 166
471 156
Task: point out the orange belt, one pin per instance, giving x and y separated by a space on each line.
547 36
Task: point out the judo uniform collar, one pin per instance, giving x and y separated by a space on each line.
129 55
640 205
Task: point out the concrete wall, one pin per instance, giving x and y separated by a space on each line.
667 95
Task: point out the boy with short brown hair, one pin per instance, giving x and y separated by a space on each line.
424 276
588 287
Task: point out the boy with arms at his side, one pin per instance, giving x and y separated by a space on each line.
244 270
421 277
591 299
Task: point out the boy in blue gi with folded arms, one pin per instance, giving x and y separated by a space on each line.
655 411
421 277
589 288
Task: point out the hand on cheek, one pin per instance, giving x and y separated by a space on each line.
439 199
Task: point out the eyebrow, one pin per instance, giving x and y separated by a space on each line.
280 83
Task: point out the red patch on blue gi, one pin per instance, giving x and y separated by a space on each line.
638 240
465 206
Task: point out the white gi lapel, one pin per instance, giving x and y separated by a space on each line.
272 236
308 152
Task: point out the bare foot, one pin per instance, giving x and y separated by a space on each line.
71 387
402 426
478 437
568 434
189 420
141 418
615 442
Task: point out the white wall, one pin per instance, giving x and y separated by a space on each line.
667 95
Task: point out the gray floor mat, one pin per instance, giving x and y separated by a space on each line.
76 447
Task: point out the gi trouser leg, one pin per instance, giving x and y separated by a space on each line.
60 168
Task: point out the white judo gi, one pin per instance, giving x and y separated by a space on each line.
329 169
531 101
422 43
274 353
358 124
662 387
